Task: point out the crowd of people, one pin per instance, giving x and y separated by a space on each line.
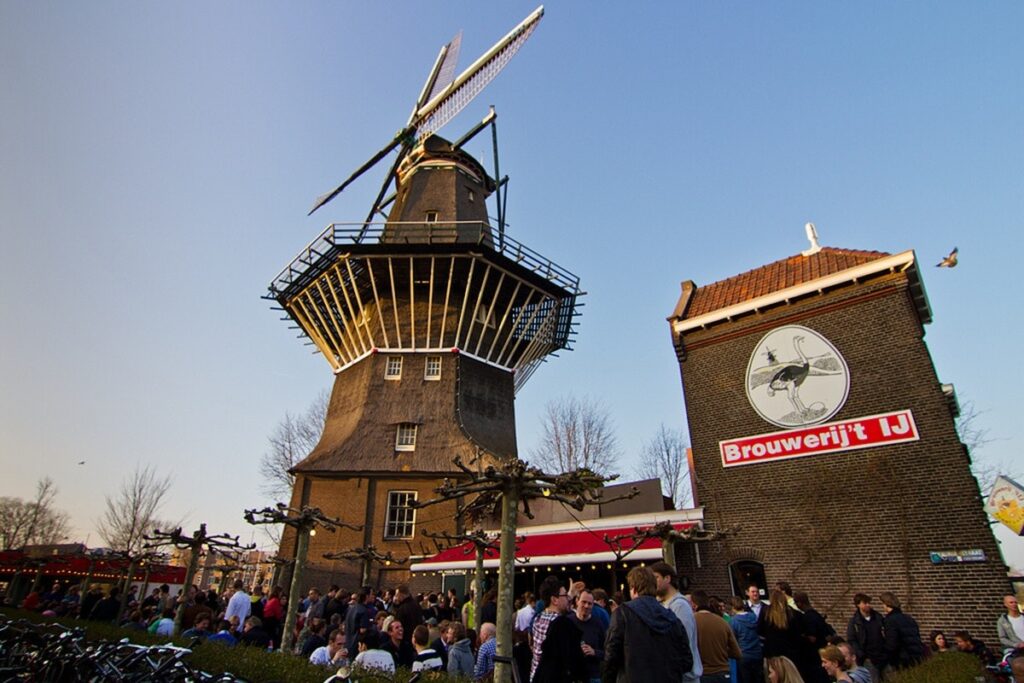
563 634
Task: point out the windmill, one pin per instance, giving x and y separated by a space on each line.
440 100
431 320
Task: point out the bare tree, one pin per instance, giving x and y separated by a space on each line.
292 440
33 522
578 434
975 437
664 458
132 512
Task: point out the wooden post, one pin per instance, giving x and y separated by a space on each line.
506 580
302 547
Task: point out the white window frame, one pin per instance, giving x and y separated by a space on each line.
429 376
392 364
405 436
400 515
432 216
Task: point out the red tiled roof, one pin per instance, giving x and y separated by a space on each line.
773 277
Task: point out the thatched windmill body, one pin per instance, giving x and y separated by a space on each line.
430 320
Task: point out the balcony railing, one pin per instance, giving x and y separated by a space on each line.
336 237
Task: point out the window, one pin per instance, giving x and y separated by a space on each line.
393 369
405 440
401 520
431 216
484 315
433 368
470 195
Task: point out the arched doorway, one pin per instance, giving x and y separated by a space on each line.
743 573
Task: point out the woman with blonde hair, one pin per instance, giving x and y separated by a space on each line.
782 629
781 670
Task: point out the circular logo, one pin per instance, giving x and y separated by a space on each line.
795 377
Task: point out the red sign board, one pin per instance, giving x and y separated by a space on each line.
832 437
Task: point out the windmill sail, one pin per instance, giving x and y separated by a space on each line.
445 98
444 106
447 73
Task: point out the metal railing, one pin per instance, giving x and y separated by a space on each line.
336 237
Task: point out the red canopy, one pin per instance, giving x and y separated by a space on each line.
571 546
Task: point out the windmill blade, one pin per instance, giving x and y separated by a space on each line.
446 74
377 205
446 104
324 198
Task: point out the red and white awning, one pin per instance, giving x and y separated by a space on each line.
569 543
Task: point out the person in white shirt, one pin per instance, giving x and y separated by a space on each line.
371 657
754 601
239 605
524 617
333 653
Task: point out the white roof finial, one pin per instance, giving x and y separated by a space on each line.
812 237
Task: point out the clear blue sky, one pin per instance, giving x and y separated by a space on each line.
159 159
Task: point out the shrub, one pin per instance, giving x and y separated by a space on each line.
946 667
252 664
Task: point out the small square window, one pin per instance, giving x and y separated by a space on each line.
401 516
431 216
484 315
471 195
393 369
405 440
433 368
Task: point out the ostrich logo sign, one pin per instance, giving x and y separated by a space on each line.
795 377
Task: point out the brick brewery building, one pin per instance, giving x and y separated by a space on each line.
825 443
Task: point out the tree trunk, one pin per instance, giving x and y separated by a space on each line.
478 588
668 552
190 575
366 572
506 581
145 582
302 546
38 580
124 591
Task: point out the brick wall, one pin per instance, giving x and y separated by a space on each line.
362 500
842 523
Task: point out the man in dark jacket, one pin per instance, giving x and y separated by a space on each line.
864 633
903 646
645 642
556 639
407 611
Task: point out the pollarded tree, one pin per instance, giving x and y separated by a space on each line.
578 434
292 440
664 458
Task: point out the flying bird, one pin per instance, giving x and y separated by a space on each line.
81 462
949 261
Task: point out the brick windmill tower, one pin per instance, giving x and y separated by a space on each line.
430 320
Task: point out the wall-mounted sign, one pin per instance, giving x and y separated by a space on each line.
957 556
834 437
1006 503
795 377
